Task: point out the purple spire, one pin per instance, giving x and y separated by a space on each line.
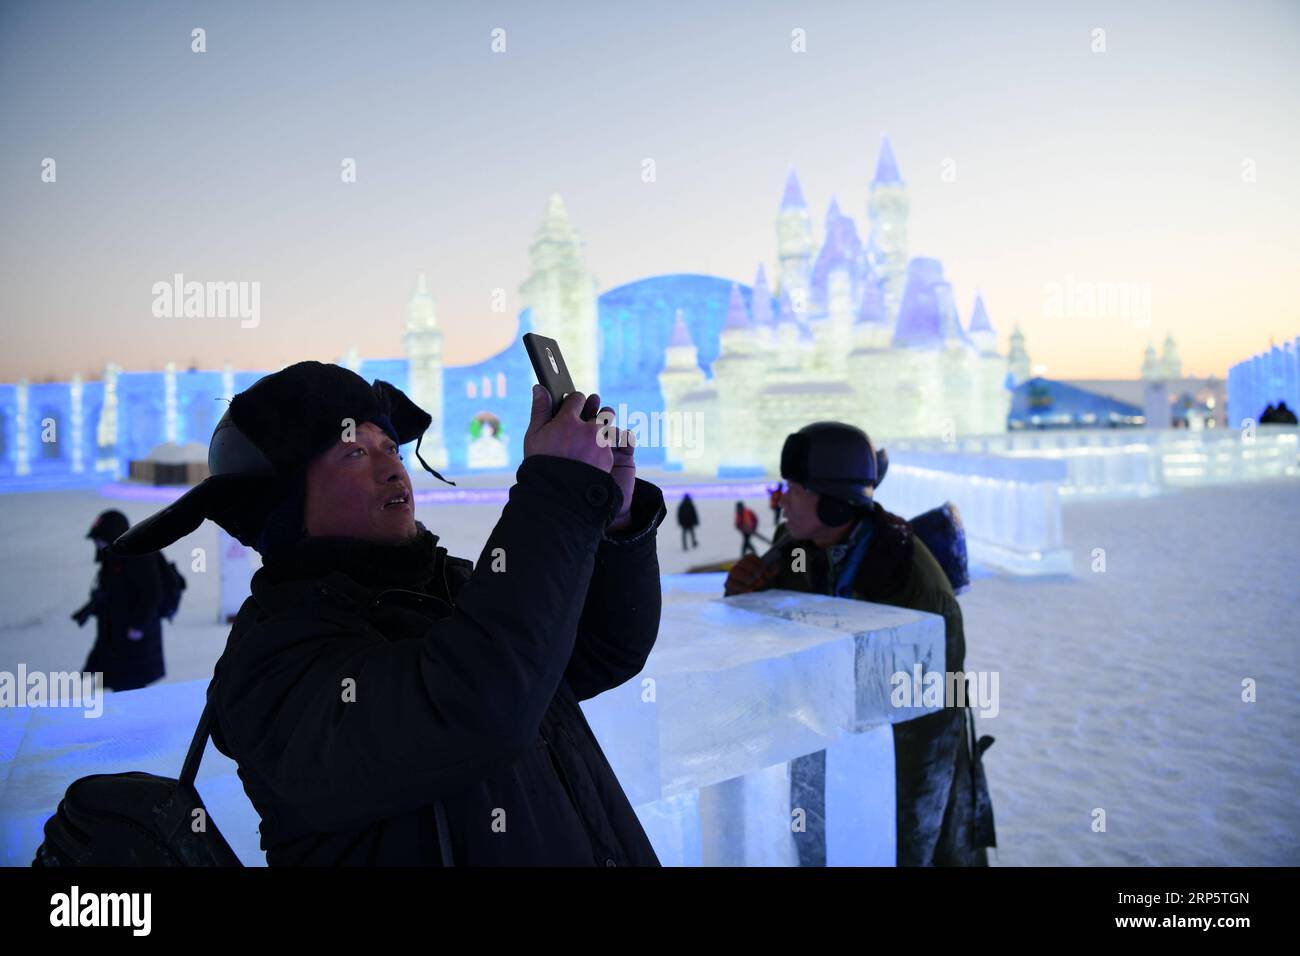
842 248
979 319
681 334
919 320
792 198
949 321
886 166
737 314
762 299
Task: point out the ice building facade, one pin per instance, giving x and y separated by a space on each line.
710 373
1262 380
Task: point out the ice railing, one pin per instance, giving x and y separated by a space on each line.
706 742
1009 507
1117 463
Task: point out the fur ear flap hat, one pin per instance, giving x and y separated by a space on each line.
265 440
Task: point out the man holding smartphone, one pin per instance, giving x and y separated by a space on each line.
387 703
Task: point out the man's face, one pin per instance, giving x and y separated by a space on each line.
800 507
360 489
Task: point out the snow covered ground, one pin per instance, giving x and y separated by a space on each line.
1119 689
1122 689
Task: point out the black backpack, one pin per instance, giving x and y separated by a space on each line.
172 586
142 819
137 819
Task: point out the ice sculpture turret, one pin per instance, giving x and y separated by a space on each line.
423 340
887 208
684 386
871 325
794 245
738 371
993 397
761 309
918 342
1018 364
1170 363
842 249
981 329
562 295
1152 370
871 365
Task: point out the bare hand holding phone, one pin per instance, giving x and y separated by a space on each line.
566 435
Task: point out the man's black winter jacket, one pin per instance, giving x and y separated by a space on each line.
361 683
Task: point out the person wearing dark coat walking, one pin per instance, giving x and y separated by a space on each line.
853 548
688 520
387 703
124 601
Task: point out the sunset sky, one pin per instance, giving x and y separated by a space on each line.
1167 165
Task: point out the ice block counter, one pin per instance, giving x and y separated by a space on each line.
743 686
702 740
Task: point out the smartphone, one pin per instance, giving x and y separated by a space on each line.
548 364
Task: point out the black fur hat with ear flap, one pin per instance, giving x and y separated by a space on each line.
836 459
266 438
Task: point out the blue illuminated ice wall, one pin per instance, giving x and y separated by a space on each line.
635 323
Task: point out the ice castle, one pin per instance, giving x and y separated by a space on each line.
853 331
710 373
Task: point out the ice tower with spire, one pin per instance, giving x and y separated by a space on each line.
1019 367
1169 360
562 295
887 208
423 341
794 236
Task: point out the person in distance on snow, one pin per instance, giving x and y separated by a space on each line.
688 520
387 703
125 602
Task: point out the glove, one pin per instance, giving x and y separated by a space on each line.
748 574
